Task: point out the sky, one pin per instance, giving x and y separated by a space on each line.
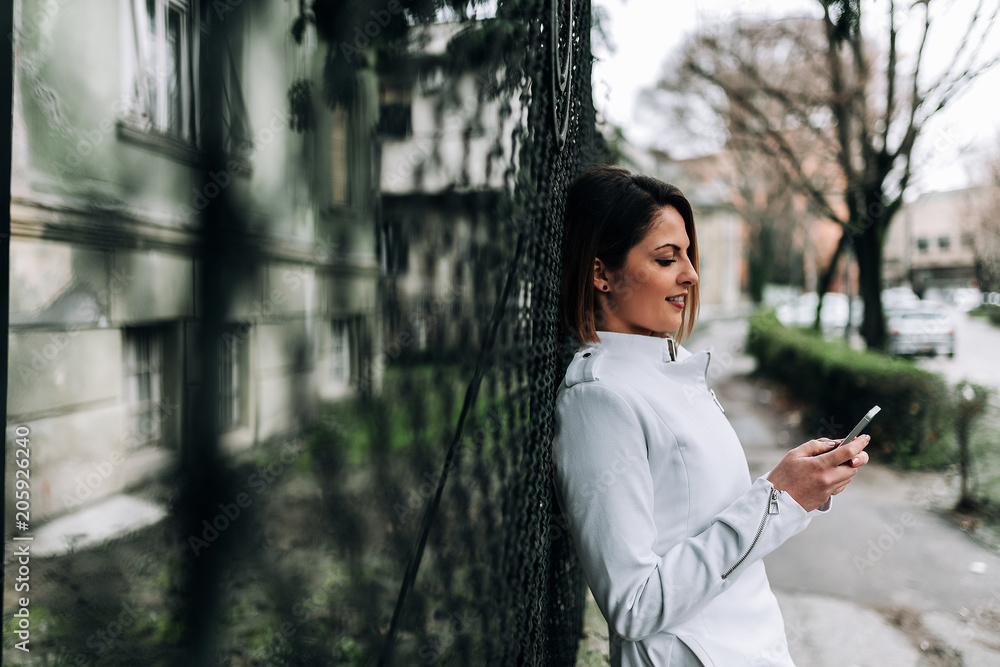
644 32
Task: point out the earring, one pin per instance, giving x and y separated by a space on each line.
605 288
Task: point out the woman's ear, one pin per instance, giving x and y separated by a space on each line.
602 281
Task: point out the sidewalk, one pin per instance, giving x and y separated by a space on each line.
886 579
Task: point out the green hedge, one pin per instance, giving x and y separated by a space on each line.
988 310
915 428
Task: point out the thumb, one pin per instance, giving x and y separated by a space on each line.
815 447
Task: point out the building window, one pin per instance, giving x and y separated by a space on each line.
338 154
157 70
237 139
395 103
395 246
922 244
340 352
944 242
164 47
433 82
143 351
230 366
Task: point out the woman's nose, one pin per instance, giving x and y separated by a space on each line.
689 277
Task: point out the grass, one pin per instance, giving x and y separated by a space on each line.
413 409
322 549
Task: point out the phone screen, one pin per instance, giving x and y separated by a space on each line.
861 424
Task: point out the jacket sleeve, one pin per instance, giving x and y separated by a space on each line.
605 491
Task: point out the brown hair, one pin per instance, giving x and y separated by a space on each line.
608 212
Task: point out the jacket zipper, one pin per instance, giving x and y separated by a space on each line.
712 392
772 508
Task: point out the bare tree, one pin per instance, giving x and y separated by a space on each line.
839 116
986 235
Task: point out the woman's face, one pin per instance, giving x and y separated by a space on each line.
648 294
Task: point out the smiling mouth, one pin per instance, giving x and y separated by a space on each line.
678 298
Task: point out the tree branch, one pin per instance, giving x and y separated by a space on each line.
890 75
783 148
963 46
838 95
910 136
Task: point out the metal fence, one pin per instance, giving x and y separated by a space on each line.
404 515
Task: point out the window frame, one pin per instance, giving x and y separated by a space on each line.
136 112
340 157
147 342
395 95
232 357
134 124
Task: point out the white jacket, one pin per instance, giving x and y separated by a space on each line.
654 485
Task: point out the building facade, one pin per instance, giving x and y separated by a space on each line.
933 240
106 193
446 145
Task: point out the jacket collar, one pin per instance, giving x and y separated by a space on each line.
620 349
665 348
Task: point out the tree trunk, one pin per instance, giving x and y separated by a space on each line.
868 249
826 278
761 264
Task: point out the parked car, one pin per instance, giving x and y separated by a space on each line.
898 299
958 297
801 311
922 328
966 298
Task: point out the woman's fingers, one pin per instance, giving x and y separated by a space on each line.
818 469
859 460
845 453
816 447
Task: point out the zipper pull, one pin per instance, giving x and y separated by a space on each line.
712 392
774 501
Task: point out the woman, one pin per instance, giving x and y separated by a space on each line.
650 475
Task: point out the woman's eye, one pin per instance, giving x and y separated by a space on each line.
666 262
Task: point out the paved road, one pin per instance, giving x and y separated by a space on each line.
977 353
886 578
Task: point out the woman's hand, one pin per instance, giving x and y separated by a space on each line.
811 473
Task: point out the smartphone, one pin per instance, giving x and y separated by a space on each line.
861 424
